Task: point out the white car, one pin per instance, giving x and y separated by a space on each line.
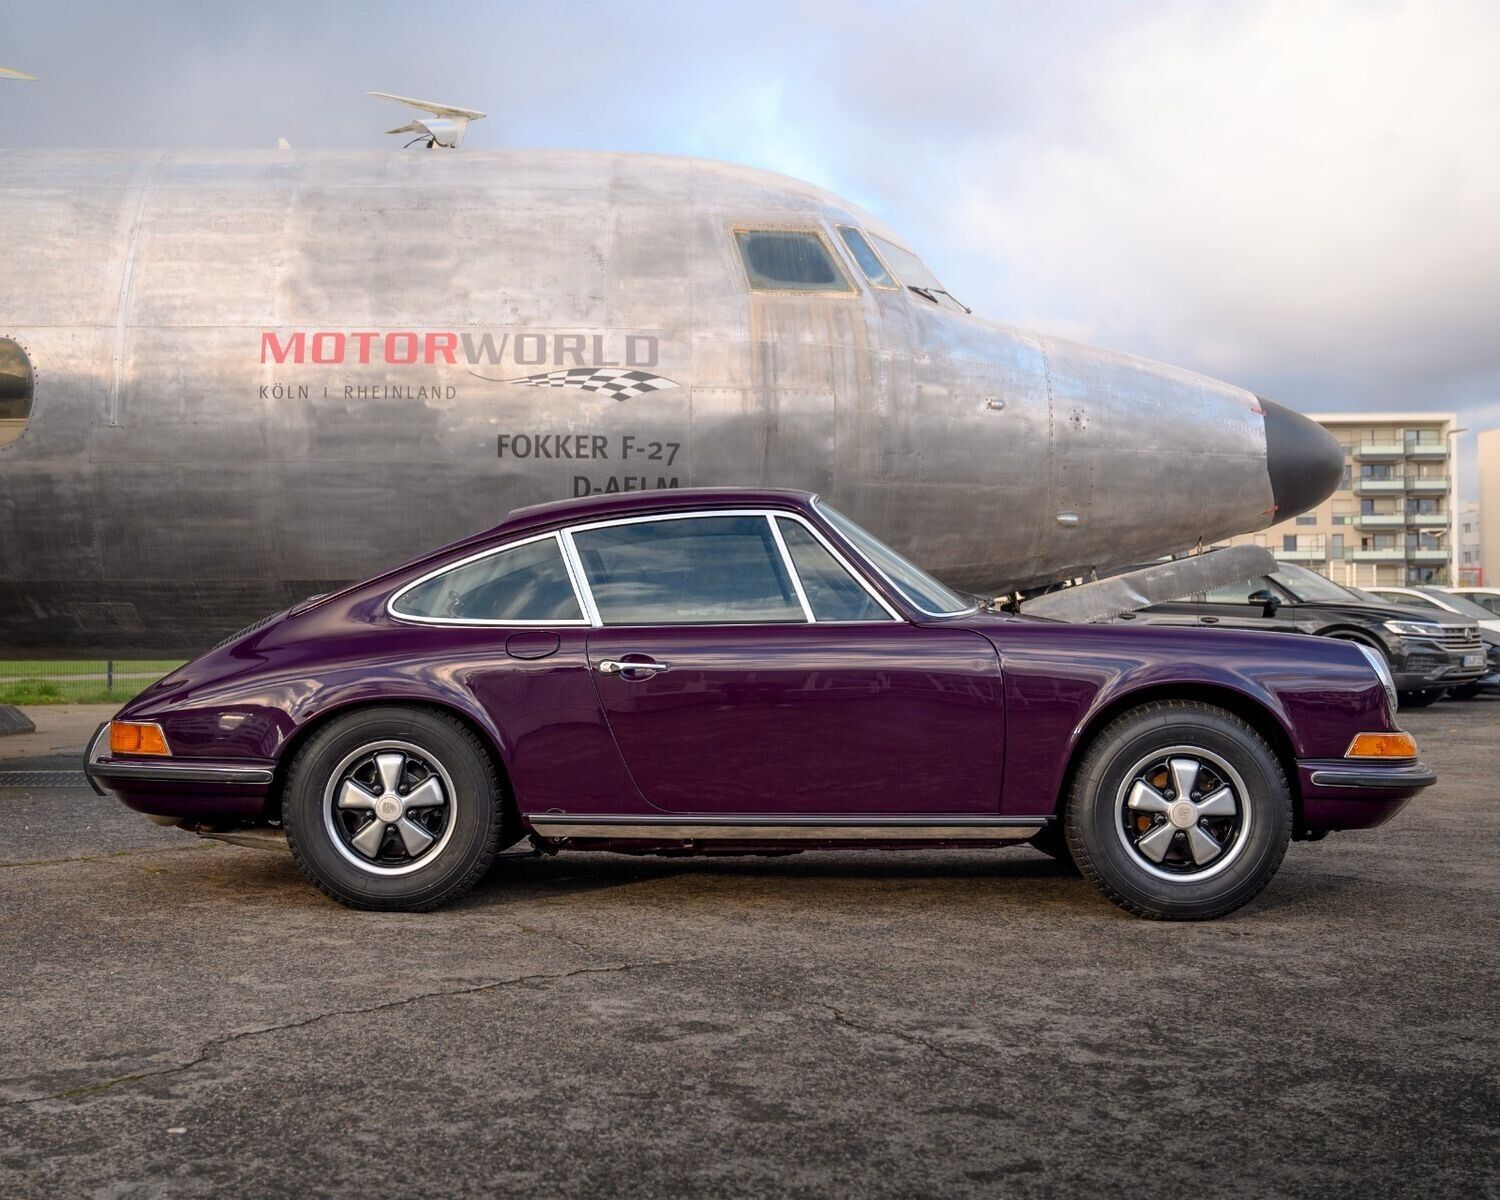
1445 600
1486 597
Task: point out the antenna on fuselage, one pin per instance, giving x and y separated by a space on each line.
445 127
7 73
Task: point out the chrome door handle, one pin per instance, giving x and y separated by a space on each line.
612 666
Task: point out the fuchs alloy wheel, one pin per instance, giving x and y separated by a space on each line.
393 808
1179 810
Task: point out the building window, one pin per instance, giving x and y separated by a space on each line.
1308 519
1288 541
16 387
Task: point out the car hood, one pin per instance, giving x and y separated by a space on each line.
1382 612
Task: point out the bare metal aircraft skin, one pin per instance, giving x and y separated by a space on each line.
258 375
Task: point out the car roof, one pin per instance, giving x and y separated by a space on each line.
601 508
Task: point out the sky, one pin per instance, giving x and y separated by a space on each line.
1299 197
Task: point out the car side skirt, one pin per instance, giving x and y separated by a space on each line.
561 827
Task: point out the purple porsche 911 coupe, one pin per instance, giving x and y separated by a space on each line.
749 672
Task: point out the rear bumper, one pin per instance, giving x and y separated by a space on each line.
1343 794
204 790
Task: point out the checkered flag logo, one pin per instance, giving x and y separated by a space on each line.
618 382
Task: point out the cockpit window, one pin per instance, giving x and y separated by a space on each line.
913 272
15 390
869 262
789 260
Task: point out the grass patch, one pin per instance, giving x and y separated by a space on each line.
78 681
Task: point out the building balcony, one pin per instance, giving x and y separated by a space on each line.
1427 451
1379 449
1378 487
1301 554
1384 554
1392 520
1427 485
1428 554
1421 520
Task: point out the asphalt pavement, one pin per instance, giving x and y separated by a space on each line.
181 1017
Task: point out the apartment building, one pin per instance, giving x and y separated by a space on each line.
1390 521
1470 540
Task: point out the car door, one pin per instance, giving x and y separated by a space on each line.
728 694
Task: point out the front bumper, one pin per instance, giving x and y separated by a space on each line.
195 790
1419 665
1352 794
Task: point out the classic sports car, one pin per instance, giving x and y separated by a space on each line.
726 671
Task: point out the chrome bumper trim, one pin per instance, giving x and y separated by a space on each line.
1407 777
762 829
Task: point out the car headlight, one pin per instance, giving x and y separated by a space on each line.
1422 629
1382 669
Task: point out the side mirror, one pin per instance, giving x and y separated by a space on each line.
1268 601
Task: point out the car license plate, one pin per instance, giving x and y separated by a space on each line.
1473 660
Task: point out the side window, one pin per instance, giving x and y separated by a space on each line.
1239 593
792 260
15 390
869 262
527 583
723 570
832 593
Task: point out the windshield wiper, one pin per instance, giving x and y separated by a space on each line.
932 293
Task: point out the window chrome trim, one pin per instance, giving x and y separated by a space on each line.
791 569
770 514
897 588
481 623
895 283
849 293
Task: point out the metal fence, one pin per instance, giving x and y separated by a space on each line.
78 681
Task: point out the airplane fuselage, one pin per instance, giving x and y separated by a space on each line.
260 375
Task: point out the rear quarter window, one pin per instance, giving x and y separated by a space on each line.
527 583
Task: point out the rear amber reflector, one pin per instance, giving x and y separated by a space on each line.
1382 745
129 737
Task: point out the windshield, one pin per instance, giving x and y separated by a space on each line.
1311 587
1460 604
913 272
921 590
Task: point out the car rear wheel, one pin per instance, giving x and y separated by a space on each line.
1179 811
393 808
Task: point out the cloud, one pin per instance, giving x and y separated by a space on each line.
1298 196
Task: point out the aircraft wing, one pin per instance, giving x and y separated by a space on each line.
438 110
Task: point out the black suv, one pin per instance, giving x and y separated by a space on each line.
1427 654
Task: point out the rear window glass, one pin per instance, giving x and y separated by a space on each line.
695 571
869 262
832 593
789 261
526 583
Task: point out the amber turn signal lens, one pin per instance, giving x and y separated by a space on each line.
130 737
1382 745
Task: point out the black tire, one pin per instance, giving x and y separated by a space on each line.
465 828
1466 692
1099 822
1053 842
1420 699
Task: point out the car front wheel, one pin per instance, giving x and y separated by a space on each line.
393 808
1179 811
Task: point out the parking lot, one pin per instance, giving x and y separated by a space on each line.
184 1017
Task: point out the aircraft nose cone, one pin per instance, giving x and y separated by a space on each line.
1305 461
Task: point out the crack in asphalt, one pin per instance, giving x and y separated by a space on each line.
210 1047
911 1039
113 854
